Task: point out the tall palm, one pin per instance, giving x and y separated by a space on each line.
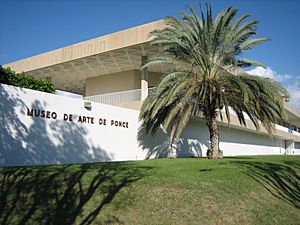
207 77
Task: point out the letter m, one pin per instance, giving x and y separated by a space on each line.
29 112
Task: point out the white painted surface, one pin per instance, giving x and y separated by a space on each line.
296 148
296 133
27 140
279 127
68 94
235 142
116 97
35 140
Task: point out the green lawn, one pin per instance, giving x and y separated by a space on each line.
246 190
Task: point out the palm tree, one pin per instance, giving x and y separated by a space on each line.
207 78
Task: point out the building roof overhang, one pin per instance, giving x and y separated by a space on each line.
70 66
293 115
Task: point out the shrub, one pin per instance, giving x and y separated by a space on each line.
7 76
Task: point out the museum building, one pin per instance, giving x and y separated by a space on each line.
106 70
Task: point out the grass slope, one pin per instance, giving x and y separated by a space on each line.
247 190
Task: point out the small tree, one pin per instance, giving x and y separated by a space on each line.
7 76
207 76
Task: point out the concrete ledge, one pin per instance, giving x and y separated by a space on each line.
117 40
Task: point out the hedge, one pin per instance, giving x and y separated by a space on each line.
7 76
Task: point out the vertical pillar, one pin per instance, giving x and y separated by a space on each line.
84 89
144 80
289 147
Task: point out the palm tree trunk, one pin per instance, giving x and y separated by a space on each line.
214 152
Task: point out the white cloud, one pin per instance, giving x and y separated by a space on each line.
292 83
269 73
294 90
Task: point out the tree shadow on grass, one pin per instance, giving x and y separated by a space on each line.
65 194
282 181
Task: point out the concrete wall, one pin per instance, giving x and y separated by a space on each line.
154 78
232 141
28 139
296 148
122 81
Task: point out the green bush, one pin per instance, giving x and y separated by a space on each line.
7 76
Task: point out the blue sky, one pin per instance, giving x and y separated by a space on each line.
29 27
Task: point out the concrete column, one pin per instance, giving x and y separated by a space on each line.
289 147
144 80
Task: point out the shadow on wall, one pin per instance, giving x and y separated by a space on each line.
231 135
22 145
64 194
282 181
186 148
157 146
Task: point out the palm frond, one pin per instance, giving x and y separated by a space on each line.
206 76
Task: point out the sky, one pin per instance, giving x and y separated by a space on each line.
30 27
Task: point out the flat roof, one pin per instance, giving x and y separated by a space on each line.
70 66
117 40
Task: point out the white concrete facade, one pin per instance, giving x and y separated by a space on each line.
66 130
